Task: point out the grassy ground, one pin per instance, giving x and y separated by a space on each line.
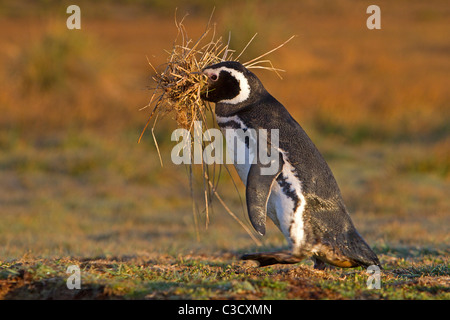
219 277
77 189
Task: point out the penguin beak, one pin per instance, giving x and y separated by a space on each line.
206 72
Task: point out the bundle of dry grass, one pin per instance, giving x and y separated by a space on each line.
180 85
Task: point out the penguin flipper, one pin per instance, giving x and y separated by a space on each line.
259 186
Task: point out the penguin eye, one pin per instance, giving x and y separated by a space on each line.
213 77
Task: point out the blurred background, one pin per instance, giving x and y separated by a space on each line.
75 182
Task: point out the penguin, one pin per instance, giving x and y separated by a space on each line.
301 197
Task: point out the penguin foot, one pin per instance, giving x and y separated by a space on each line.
269 258
319 264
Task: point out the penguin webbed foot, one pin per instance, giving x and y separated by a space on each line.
321 265
265 259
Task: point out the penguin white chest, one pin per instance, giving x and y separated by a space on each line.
288 203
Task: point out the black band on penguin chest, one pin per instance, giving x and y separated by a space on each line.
231 124
286 188
234 125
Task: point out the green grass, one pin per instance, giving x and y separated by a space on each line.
216 277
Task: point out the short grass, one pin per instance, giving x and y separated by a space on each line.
219 277
77 189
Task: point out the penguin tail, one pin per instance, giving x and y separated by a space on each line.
355 248
347 250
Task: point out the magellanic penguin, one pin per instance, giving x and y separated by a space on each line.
302 197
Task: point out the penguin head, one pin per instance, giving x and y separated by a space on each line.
231 83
